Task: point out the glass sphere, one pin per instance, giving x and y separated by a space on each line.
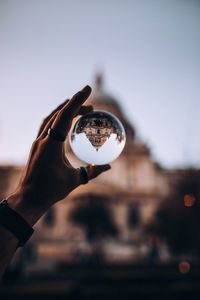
97 138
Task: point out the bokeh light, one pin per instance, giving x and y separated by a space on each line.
184 267
189 200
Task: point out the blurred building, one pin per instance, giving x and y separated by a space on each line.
129 193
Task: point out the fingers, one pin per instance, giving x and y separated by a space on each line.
49 117
84 174
48 121
94 171
85 110
64 118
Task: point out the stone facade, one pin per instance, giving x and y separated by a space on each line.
131 191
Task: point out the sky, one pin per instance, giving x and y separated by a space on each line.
147 50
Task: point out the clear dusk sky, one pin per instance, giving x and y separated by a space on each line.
148 51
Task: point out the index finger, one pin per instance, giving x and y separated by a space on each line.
63 121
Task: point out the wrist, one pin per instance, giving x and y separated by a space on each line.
23 205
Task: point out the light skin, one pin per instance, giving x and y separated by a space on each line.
48 176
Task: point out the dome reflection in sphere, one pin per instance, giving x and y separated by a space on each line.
97 138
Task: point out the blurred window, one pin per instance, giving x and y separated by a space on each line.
49 217
133 216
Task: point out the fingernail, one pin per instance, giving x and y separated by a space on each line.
86 89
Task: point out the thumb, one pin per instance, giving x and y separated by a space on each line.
94 171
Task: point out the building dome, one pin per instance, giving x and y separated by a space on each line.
103 101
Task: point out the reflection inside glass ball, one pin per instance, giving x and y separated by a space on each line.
97 138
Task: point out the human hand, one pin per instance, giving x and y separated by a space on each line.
48 176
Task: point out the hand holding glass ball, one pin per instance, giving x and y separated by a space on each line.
97 138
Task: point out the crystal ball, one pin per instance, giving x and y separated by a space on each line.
97 138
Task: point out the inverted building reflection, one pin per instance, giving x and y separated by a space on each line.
98 127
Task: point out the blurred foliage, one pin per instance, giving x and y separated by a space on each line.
178 217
